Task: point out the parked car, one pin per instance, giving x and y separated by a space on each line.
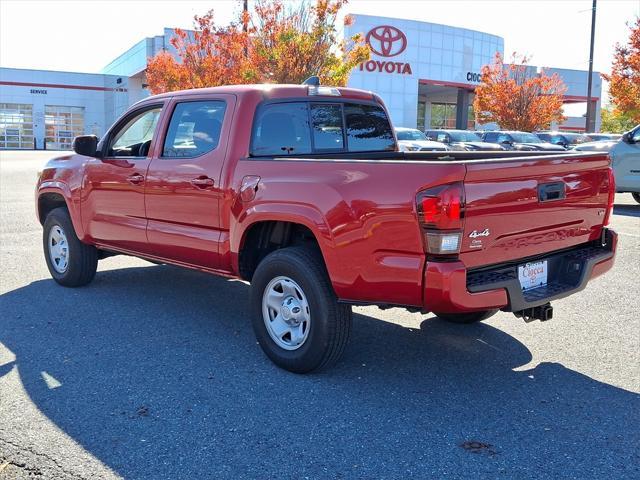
462 140
522 141
604 137
625 160
302 191
413 140
564 139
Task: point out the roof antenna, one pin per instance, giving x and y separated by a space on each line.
313 80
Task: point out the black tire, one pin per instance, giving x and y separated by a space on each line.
329 324
471 317
636 196
82 258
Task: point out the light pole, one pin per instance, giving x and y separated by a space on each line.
589 80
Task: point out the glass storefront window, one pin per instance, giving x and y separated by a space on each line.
443 115
422 110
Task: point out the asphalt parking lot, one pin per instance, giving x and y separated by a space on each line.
153 372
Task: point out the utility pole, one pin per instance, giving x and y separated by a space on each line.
245 10
589 80
245 23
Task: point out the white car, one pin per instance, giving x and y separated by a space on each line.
625 159
413 140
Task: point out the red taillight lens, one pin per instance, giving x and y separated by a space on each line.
612 197
440 211
441 207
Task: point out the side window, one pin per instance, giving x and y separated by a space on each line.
636 135
327 128
503 137
281 129
194 128
134 138
368 128
491 137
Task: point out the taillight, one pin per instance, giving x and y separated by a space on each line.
440 212
612 197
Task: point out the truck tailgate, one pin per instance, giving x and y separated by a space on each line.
524 207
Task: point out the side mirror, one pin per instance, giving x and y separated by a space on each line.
628 138
85 145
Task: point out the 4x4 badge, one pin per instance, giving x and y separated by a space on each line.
476 234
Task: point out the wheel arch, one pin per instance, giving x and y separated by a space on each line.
57 195
266 232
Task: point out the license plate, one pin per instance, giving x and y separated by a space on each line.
532 275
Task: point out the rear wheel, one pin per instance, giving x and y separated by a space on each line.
296 317
470 317
636 196
70 262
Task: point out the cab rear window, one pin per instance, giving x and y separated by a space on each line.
297 128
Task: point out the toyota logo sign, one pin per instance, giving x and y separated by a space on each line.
386 41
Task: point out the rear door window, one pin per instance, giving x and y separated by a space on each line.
282 129
194 128
368 128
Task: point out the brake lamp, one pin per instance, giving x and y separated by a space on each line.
440 212
612 197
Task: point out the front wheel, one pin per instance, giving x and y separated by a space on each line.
636 196
70 262
470 317
296 317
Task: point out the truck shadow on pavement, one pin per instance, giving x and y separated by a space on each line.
159 376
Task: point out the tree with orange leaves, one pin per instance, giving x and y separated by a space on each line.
289 46
624 80
207 57
517 97
275 45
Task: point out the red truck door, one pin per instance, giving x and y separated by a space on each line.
183 190
113 210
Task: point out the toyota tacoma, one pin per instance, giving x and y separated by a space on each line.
301 190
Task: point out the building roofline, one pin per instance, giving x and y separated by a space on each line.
426 22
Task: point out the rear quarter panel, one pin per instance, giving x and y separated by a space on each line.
361 212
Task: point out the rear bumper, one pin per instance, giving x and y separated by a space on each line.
450 288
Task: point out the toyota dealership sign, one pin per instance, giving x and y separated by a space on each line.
386 41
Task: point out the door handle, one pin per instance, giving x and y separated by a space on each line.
202 182
136 178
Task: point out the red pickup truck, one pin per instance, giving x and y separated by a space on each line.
303 192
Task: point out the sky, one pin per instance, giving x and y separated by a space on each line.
85 35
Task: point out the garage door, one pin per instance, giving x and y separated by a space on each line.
16 125
62 123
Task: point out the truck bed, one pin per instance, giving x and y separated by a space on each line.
363 209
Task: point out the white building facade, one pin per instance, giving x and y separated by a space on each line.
426 74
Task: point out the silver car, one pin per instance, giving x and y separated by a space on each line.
413 140
625 160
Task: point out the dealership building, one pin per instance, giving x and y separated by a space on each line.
425 72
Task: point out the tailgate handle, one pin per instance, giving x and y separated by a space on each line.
551 191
